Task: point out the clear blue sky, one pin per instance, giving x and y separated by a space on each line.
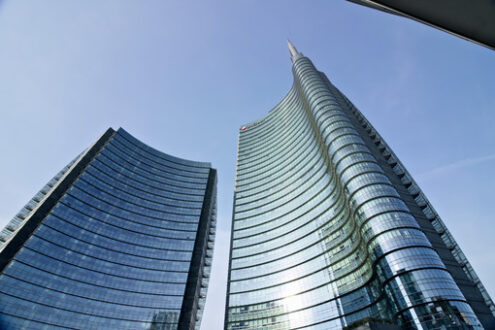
182 76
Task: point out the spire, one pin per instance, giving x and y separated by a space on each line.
294 54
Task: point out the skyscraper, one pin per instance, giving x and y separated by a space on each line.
329 230
121 238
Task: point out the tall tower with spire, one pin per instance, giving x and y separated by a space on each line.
330 231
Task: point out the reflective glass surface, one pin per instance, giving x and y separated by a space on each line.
321 237
115 250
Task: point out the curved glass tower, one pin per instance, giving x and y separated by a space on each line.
329 230
122 238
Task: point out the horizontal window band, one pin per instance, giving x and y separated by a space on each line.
292 230
275 183
129 244
111 181
124 243
120 229
300 250
126 160
136 178
142 146
276 159
248 156
127 210
91 284
290 184
152 164
104 260
318 194
75 312
263 209
84 297
121 193
291 117
380 297
65 204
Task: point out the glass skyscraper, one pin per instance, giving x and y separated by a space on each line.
121 238
330 231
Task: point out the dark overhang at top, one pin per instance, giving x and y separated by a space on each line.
467 19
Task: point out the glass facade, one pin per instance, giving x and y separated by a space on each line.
122 238
325 232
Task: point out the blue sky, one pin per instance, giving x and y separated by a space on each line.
182 76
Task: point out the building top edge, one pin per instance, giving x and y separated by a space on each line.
178 160
260 120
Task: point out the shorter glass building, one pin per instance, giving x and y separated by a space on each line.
121 238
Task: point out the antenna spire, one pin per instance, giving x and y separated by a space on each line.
294 54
